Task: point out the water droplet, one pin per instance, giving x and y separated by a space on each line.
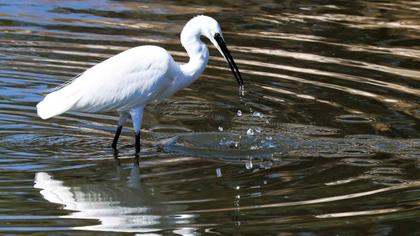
237 187
257 114
271 145
258 130
248 165
218 172
250 132
239 113
220 128
224 142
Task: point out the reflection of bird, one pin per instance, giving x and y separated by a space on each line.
120 206
127 82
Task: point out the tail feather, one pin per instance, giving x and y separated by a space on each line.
57 102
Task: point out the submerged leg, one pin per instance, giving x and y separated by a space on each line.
136 117
121 121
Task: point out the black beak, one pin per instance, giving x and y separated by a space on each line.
229 58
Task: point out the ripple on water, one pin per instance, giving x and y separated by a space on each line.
234 146
361 162
309 130
314 74
354 119
66 145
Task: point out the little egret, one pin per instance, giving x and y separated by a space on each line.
130 80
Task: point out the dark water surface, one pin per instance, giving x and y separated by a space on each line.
327 140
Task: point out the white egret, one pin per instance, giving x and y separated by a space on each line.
130 80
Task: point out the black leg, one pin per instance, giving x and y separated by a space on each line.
136 160
117 159
138 142
117 135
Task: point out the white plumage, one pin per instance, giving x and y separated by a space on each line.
126 80
130 80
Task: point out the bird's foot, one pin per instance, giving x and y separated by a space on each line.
115 153
137 159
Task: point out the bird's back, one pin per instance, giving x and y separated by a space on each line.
128 79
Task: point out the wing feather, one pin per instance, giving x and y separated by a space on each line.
131 78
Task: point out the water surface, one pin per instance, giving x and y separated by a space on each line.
327 140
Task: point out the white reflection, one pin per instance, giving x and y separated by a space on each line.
125 206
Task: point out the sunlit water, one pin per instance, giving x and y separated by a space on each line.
325 141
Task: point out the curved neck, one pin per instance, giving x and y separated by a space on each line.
197 51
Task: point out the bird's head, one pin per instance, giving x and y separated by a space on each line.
210 28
